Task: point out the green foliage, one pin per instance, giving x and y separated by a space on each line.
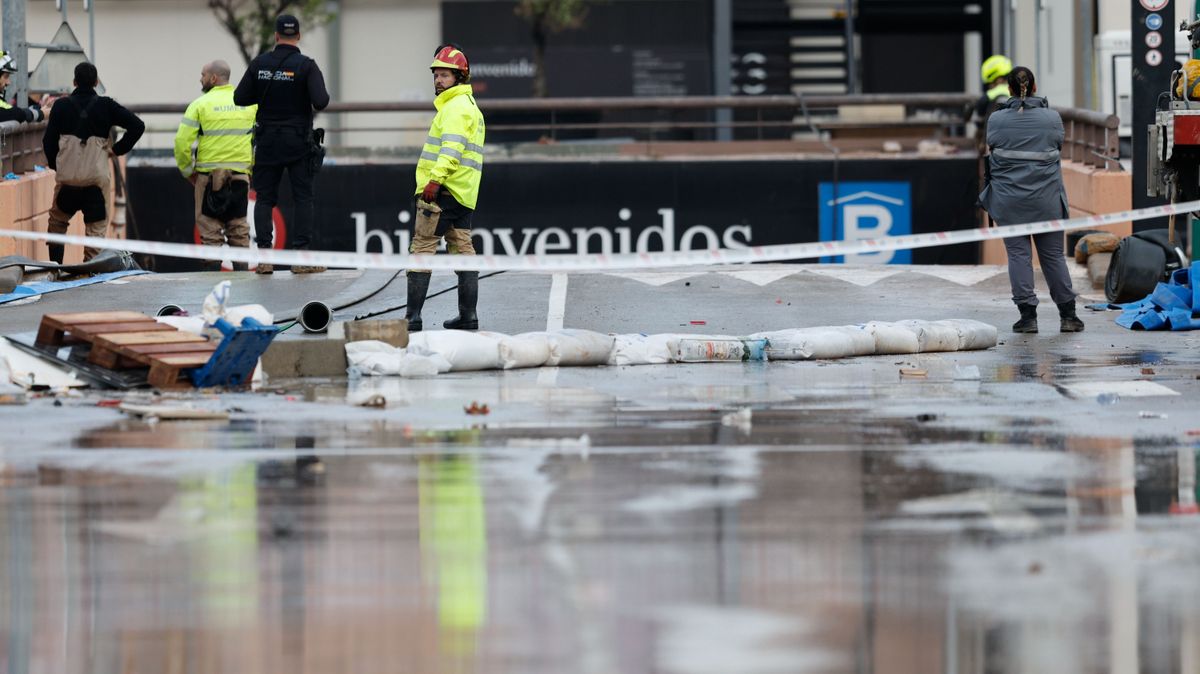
252 22
552 16
546 17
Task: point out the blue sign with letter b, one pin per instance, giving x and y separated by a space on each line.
866 211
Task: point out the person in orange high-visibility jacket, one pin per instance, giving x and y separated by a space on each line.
448 175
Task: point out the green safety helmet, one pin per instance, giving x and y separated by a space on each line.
7 64
995 66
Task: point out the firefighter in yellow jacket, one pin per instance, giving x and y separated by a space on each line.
220 166
448 175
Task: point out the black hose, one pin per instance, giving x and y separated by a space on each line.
398 307
346 298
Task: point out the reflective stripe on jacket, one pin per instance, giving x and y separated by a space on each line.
1025 137
224 130
453 151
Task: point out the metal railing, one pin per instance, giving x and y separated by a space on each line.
21 147
1091 137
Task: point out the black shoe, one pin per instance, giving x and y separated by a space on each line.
1028 322
1070 322
468 298
55 252
418 287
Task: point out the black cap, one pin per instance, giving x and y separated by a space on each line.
287 25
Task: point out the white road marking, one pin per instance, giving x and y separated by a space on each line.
860 276
658 278
762 277
558 302
963 276
547 376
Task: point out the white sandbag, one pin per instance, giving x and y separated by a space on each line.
973 335
573 347
371 357
933 336
641 349
810 343
375 358
466 351
412 365
520 351
893 338
695 349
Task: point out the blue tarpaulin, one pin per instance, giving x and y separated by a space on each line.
42 287
1172 306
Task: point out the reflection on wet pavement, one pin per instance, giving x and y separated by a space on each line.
828 519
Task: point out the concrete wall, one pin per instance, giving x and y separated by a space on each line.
1090 191
386 46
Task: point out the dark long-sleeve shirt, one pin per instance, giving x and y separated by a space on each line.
102 117
11 113
287 87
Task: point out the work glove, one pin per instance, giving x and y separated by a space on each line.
429 195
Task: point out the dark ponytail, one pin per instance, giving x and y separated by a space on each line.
1021 83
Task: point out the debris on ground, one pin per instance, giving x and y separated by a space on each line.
173 412
475 409
376 401
913 373
739 419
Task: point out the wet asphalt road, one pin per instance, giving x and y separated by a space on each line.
821 516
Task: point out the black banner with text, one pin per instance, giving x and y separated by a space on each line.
560 207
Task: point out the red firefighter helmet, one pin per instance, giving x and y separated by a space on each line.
450 56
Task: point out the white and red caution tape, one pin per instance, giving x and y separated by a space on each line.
601 262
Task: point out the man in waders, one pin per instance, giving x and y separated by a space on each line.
448 175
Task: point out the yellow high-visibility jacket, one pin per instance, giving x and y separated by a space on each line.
224 130
453 152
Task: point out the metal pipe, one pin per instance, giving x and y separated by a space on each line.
315 317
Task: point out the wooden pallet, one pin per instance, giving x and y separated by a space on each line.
127 339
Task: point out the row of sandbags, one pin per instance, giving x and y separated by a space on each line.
434 352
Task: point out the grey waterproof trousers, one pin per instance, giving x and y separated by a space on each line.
1054 267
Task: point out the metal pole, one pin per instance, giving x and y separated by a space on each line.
62 6
1038 8
851 74
14 41
1085 71
90 6
722 57
335 62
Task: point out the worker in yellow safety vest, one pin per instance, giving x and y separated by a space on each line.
213 150
994 73
448 175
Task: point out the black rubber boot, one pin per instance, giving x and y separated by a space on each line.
1070 322
1028 322
468 298
55 251
418 286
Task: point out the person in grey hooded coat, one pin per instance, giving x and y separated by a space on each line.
1025 185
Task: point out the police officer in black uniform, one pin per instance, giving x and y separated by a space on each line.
287 87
